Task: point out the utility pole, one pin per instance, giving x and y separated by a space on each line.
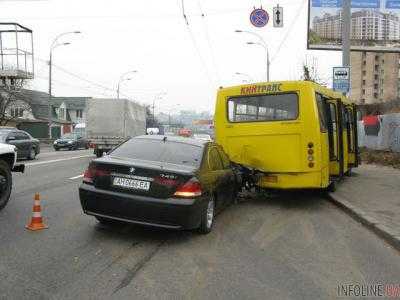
122 78
54 45
154 116
49 103
157 97
346 28
264 45
261 43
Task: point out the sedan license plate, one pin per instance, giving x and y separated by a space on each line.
131 183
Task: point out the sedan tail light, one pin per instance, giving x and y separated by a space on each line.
89 174
92 172
191 188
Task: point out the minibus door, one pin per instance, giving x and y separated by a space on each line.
355 136
335 134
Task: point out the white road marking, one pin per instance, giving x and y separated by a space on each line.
54 153
56 160
76 177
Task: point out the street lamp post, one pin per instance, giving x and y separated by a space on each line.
157 97
54 45
119 83
266 55
121 79
169 114
261 43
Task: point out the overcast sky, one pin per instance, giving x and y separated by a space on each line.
186 62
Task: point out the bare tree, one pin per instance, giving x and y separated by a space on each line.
310 71
11 97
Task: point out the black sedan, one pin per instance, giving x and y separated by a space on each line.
27 146
71 141
162 181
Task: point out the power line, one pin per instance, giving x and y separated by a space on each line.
82 78
196 46
209 41
72 85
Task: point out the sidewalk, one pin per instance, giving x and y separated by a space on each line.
372 196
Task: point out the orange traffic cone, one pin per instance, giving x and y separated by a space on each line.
37 220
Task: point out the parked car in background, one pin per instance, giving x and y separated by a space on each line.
71 141
27 146
203 137
152 131
185 132
8 159
162 181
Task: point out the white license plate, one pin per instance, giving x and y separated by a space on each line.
131 183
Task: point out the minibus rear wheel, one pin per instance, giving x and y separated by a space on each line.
332 187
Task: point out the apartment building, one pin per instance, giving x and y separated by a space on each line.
366 25
375 77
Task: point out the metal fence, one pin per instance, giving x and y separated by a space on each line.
380 132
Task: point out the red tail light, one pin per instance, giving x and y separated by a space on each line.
93 172
89 174
192 188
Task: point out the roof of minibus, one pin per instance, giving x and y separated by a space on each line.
328 92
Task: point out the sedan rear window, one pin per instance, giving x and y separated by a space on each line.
158 150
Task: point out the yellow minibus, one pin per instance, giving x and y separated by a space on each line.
287 135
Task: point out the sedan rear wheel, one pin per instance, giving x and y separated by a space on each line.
207 218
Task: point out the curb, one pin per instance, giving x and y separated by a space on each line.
359 215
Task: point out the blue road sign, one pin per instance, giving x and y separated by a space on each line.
326 3
343 86
392 4
341 79
259 17
354 3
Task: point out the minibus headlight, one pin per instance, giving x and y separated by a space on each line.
310 158
310 151
310 144
311 165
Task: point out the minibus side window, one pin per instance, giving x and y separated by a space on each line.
321 103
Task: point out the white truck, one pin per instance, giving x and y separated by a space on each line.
109 122
8 159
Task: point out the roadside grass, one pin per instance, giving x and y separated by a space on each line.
380 157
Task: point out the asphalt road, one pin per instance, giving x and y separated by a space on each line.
294 246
